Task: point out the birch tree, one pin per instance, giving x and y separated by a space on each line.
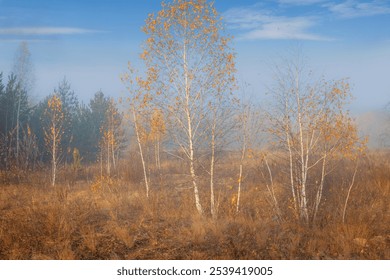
139 101
190 53
53 131
157 132
310 124
112 137
219 135
247 129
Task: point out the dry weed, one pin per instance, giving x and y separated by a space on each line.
117 221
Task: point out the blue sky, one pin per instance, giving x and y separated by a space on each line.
90 42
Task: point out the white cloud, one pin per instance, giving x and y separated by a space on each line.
354 9
22 40
262 24
245 18
285 28
300 2
45 31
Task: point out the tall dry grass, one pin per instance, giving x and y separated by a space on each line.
112 219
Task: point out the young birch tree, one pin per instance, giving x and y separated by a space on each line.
247 130
312 126
53 131
188 50
220 125
111 137
157 132
139 101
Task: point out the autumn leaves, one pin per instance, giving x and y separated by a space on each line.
187 91
190 73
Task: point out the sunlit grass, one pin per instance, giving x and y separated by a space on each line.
80 221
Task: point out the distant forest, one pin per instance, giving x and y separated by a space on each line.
22 125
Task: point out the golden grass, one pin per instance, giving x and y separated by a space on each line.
76 221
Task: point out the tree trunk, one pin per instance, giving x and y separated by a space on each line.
54 156
108 156
192 169
212 197
349 192
17 130
291 162
320 189
190 132
140 151
302 187
240 175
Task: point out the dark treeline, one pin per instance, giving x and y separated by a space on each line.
23 146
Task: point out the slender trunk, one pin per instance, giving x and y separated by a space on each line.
101 169
243 151
160 175
349 192
140 151
194 183
18 127
108 156
302 188
291 163
155 154
320 189
113 152
54 156
158 154
190 133
271 190
192 167
212 198
239 189
101 165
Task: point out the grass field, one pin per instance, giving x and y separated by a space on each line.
86 218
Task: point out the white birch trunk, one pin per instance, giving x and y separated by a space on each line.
291 163
240 175
271 190
17 130
108 156
192 167
302 188
140 150
190 132
54 155
113 152
349 192
212 197
320 189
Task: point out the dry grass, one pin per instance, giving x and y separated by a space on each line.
76 221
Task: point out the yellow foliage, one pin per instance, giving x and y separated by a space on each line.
54 121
